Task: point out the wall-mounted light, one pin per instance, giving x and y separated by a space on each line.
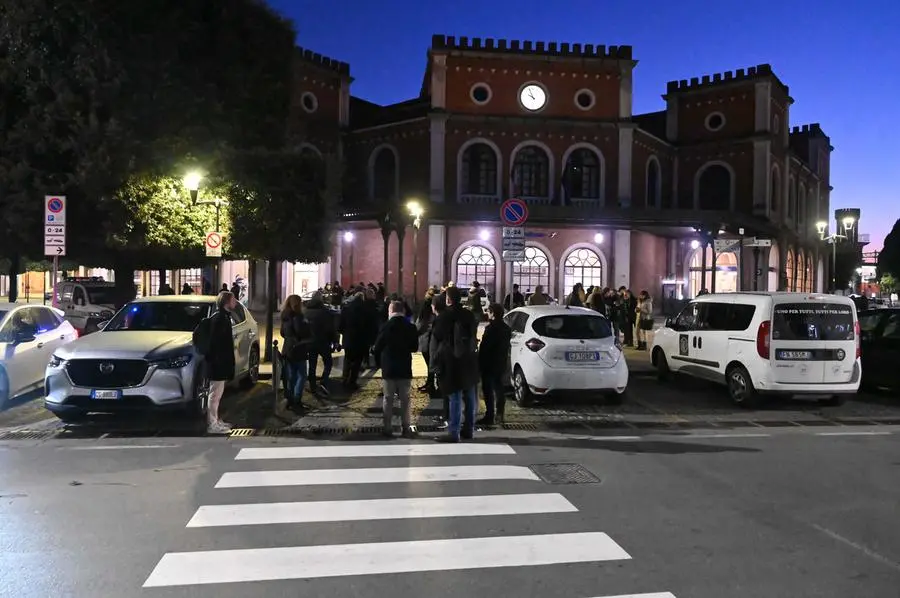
484 235
598 238
695 244
348 237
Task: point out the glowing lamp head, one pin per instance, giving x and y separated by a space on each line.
192 180
484 235
695 244
848 222
415 209
598 238
348 237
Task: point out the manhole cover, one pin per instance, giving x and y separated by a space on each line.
564 473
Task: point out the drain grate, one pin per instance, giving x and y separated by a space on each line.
564 473
27 434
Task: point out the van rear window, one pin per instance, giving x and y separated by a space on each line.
812 322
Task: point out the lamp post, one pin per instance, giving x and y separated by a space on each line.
834 238
416 211
348 238
192 182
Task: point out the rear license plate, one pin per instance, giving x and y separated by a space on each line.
106 395
582 356
795 355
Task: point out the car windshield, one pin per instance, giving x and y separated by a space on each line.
159 315
812 322
580 326
101 295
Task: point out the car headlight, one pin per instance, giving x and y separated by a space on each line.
174 363
56 361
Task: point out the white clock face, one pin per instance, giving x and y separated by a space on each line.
533 97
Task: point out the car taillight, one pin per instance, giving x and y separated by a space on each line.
856 334
535 344
762 339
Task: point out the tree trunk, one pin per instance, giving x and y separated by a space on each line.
271 304
125 289
15 262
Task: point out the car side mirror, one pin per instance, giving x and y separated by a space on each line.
669 322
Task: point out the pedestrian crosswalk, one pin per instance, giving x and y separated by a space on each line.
403 556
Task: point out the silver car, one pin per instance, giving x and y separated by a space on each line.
143 359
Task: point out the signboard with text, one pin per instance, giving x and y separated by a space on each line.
55 225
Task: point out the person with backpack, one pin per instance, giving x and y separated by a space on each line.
297 337
213 340
455 331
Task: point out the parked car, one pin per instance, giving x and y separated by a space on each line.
564 350
880 338
765 343
143 359
28 336
86 301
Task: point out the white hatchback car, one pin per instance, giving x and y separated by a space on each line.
564 350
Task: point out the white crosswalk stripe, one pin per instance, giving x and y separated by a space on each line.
260 564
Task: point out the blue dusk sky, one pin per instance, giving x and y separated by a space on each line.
840 60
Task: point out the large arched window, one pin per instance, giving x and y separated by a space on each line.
726 271
479 170
533 271
476 262
531 173
585 266
774 268
775 189
714 186
789 269
581 180
384 175
653 184
800 273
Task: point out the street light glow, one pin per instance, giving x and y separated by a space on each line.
348 237
695 244
485 234
415 208
821 225
192 180
598 238
848 222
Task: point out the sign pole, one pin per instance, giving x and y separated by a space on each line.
54 278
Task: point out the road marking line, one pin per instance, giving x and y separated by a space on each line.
866 551
117 447
854 434
729 436
374 450
384 475
651 595
311 562
381 509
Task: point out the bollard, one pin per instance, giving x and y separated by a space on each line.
276 372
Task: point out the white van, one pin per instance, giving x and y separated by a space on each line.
765 343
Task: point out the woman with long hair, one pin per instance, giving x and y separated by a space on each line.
295 351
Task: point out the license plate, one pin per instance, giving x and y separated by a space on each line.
582 356
795 355
106 395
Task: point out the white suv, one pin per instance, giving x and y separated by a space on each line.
765 343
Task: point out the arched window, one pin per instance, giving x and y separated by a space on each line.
479 170
800 284
789 269
774 269
476 262
585 266
533 271
775 191
726 272
792 199
384 176
582 175
714 188
654 184
808 276
531 173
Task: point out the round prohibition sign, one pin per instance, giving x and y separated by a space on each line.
213 240
55 205
514 212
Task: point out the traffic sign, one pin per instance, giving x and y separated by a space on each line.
54 225
513 244
513 232
213 244
514 212
514 256
727 245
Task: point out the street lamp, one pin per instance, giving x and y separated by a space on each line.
348 238
834 238
416 211
598 238
192 182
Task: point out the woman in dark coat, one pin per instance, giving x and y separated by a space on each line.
493 361
295 331
438 305
424 321
357 323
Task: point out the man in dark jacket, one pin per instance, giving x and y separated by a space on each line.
324 337
493 357
220 360
356 323
456 332
393 350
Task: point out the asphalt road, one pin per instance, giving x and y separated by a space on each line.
794 513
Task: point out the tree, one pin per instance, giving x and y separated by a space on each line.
99 96
281 205
889 258
888 283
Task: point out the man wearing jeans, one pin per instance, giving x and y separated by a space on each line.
455 331
393 349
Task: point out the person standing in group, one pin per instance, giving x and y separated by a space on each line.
296 334
644 312
397 341
456 333
423 326
324 337
493 361
514 299
438 306
356 322
219 360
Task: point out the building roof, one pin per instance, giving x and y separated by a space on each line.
365 114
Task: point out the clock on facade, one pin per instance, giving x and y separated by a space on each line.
533 97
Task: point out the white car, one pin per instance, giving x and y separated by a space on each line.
765 343
28 336
564 350
144 360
